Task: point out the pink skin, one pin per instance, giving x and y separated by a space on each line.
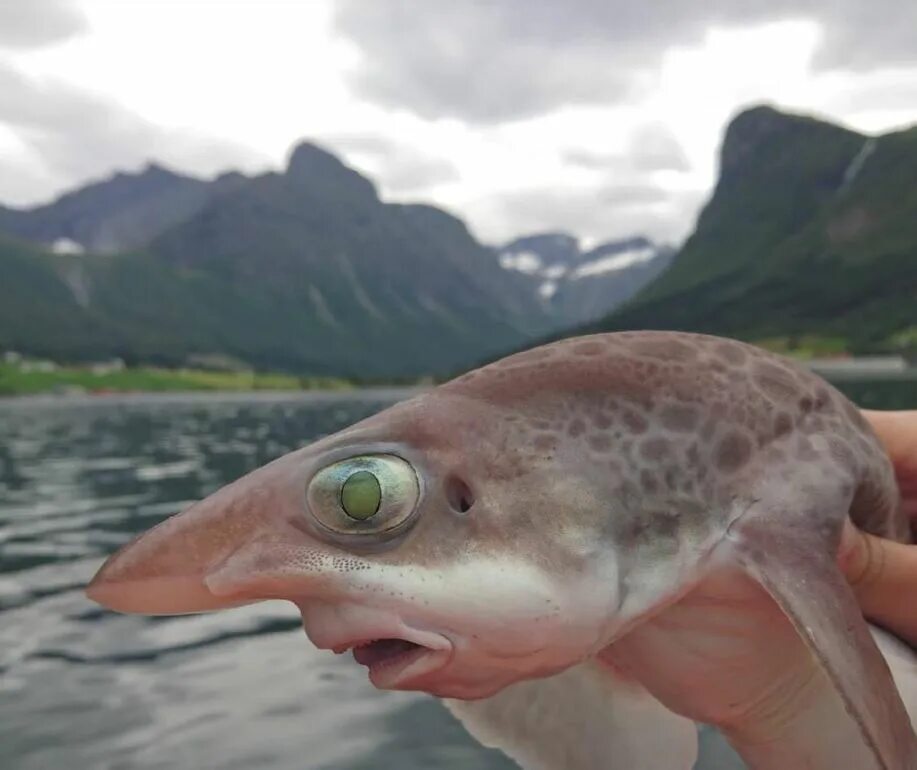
469 616
604 473
881 571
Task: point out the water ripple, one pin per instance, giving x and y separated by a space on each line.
83 687
153 655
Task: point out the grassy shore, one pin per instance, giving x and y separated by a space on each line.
22 376
16 379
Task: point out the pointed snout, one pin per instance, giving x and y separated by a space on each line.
165 571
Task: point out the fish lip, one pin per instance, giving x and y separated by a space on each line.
428 640
409 670
435 652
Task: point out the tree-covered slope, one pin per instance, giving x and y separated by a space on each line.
812 229
405 285
95 307
305 270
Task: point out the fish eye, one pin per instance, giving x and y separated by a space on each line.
361 495
369 493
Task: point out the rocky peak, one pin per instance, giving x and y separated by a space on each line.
637 243
758 129
550 248
310 165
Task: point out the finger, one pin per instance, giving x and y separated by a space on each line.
898 433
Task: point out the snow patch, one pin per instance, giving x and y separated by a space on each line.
547 289
524 261
67 246
614 262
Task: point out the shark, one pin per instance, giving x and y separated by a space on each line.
585 549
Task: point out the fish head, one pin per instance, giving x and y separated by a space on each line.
449 549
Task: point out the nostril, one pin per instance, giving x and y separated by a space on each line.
459 494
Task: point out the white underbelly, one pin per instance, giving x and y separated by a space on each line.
902 660
574 722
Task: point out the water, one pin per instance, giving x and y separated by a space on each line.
84 688
81 687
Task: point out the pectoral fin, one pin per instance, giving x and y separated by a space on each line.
795 565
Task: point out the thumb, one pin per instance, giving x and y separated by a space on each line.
853 553
861 557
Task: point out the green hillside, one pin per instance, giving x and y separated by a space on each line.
810 238
91 308
811 230
400 280
305 271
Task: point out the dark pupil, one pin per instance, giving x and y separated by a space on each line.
361 495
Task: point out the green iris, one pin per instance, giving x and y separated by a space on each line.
366 494
361 495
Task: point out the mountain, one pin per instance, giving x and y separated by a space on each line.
321 227
576 286
116 214
356 278
304 270
811 230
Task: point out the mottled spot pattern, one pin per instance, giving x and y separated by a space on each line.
688 417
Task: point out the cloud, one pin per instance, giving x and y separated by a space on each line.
593 160
598 213
863 36
886 90
469 60
367 143
70 135
406 174
487 62
21 179
34 23
68 128
651 147
629 195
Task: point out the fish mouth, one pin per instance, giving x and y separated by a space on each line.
396 663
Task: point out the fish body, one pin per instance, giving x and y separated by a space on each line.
641 526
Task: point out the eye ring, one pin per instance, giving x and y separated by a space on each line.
369 494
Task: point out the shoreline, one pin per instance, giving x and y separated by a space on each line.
866 375
75 385
33 378
383 392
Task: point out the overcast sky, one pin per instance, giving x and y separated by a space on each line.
601 117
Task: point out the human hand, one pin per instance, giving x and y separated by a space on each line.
898 433
881 571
